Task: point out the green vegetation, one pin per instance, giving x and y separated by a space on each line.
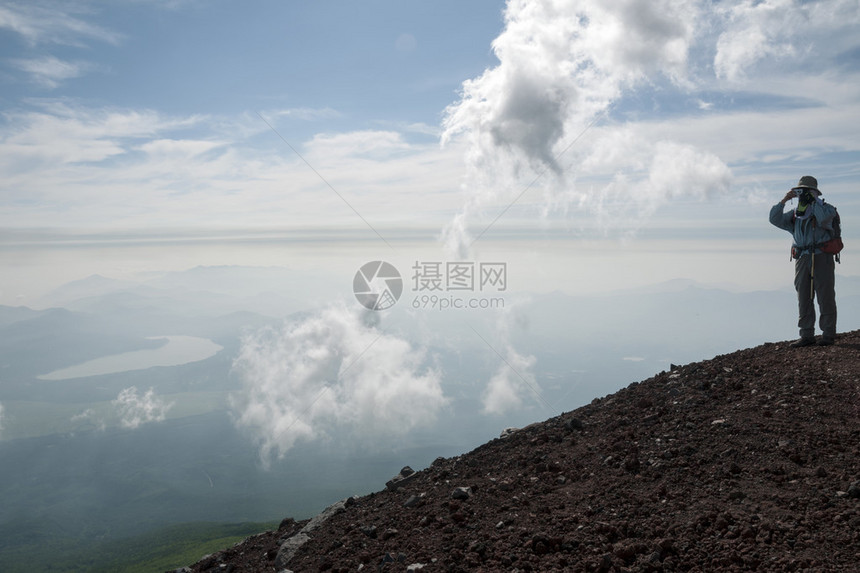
159 550
29 419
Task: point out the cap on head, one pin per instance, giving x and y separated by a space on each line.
809 182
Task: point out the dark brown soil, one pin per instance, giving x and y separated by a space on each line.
746 462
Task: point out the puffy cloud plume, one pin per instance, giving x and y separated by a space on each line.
561 66
135 409
658 172
511 384
331 372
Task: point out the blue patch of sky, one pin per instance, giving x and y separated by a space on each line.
849 60
225 57
659 102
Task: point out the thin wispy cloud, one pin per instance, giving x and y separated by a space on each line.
305 113
84 416
90 417
60 131
787 34
101 167
41 22
50 72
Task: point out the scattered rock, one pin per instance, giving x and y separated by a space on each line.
289 548
405 476
294 543
508 432
369 530
461 493
389 533
415 500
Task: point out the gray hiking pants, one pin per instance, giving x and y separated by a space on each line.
819 277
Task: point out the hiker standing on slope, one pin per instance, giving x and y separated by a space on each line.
812 226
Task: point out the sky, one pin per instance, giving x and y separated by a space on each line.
464 129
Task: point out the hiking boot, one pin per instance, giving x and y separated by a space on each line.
825 341
801 342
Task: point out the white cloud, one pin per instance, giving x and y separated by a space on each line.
793 31
59 132
50 71
574 69
135 409
561 65
84 416
305 113
755 32
65 164
182 149
40 22
368 144
657 172
328 374
90 416
749 136
512 383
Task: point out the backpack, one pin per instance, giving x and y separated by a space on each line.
834 245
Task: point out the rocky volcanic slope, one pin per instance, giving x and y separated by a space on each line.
747 462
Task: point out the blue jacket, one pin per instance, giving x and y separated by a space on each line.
810 232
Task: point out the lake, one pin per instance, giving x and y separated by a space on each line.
178 350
